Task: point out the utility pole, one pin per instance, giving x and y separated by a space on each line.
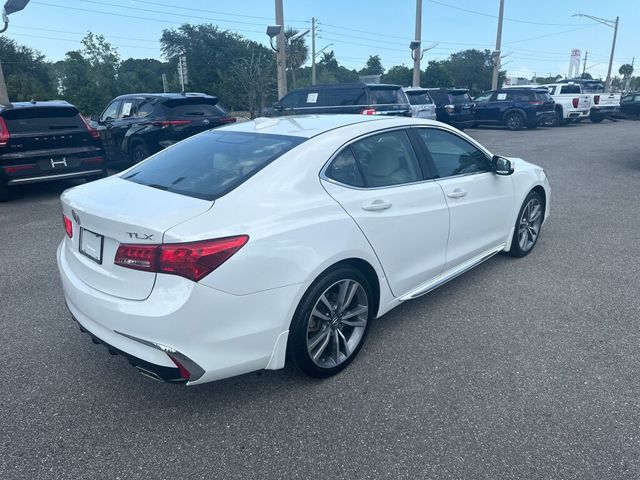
607 87
10 6
313 50
281 56
584 65
496 54
418 38
609 23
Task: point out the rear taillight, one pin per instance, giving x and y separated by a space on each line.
368 111
596 99
194 260
227 120
93 160
4 133
68 226
92 131
575 102
18 168
536 102
170 123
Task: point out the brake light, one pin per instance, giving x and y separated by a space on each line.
368 111
193 260
68 226
596 99
4 133
170 123
17 168
575 102
536 102
227 120
93 160
95 134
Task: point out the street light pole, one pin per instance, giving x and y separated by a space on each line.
609 23
281 57
496 53
417 58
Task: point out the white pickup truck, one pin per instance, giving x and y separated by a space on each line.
571 104
602 104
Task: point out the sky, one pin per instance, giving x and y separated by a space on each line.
537 35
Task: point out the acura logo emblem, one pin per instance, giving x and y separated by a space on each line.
75 216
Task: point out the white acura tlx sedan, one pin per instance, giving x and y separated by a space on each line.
246 245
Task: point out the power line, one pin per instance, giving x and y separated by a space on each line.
552 34
83 33
77 41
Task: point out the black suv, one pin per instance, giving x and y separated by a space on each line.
42 141
137 125
363 98
453 106
515 107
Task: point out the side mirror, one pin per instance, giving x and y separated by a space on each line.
501 165
278 106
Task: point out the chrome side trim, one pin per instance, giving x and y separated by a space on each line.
195 370
59 176
451 274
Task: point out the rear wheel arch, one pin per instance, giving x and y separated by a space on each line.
540 189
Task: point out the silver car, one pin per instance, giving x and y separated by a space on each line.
422 105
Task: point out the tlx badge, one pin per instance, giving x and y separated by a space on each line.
140 236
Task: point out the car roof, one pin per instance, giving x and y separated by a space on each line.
329 86
49 103
308 126
164 96
447 90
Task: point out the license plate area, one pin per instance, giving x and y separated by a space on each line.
91 245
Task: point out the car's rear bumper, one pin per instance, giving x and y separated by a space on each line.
604 109
51 177
220 333
573 114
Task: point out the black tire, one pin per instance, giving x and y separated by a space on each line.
139 151
4 193
596 118
517 248
558 120
302 323
514 121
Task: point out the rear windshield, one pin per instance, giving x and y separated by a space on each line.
211 164
42 119
195 107
570 89
329 97
592 87
386 96
440 98
543 97
418 97
460 97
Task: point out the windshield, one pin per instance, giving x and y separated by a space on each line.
379 96
418 97
211 164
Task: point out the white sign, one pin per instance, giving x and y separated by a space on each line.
501 96
312 98
126 109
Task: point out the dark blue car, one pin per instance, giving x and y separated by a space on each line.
515 107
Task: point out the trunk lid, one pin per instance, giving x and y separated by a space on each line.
115 211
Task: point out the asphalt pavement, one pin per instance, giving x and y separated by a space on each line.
520 369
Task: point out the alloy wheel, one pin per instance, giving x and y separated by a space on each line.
529 224
337 323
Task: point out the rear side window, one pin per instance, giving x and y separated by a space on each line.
418 98
543 97
379 96
521 96
195 107
570 89
42 119
387 159
338 96
344 169
211 164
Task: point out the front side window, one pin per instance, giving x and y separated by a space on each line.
387 159
453 155
111 112
129 109
211 164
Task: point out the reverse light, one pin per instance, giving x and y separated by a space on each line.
193 260
575 102
4 133
368 111
68 226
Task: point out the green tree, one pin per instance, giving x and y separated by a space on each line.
545 80
626 70
473 69
586 76
373 66
437 74
399 75
253 72
137 75
27 74
297 53
330 71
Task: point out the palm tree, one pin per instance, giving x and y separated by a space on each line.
297 52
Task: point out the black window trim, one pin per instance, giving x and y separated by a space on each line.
430 158
119 100
407 128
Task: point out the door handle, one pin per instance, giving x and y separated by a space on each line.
457 193
377 206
